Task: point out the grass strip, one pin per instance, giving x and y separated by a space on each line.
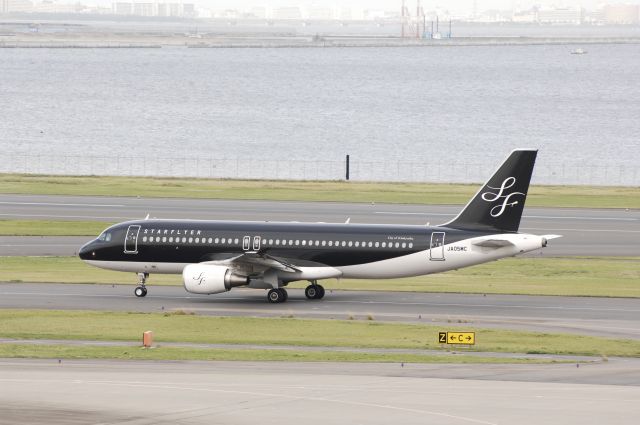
409 193
180 327
51 228
568 276
175 353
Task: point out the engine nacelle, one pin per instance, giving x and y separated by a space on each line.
210 279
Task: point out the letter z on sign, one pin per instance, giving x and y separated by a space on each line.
463 338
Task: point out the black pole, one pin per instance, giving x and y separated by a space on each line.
347 163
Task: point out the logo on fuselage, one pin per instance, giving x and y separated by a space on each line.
497 210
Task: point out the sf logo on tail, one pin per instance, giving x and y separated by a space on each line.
506 198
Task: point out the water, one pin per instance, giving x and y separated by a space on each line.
401 113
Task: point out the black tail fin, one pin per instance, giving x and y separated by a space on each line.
499 203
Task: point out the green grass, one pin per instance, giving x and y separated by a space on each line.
410 193
574 276
51 228
110 326
47 351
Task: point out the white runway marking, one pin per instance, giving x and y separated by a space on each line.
550 217
56 204
69 216
547 229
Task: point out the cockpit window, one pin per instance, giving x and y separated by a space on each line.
105 237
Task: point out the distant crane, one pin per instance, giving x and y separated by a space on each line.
412 27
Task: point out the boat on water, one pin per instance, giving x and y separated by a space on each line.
579 52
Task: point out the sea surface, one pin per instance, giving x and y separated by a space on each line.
406 114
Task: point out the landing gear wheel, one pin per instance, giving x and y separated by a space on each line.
314 292
277 295
285 294
311 292
141 290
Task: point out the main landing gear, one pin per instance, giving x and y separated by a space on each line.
277 295
141 290
314 291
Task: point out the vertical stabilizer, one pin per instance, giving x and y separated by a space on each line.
498 205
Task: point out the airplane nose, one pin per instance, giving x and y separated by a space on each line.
87 251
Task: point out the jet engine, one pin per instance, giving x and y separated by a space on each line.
211 279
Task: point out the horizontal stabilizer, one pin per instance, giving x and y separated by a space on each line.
493 243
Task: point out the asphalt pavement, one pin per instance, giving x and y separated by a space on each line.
609 317
278 393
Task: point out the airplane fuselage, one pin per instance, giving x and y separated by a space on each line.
330 250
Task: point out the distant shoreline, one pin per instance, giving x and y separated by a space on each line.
135 41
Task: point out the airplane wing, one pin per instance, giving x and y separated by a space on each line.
261 259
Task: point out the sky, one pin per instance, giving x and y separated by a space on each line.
456 6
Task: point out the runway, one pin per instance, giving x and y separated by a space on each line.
598 232
609 317
121 392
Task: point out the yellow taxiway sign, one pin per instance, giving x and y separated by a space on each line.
466 338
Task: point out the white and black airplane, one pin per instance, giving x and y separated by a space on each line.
216 256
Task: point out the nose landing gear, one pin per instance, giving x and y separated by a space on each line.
141 289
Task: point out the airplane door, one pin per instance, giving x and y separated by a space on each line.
437 246
256 243
246 241
131 240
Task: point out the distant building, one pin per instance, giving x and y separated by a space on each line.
564 15
622 14
258 12
345 14
287 13
525 17
320 13
146 8
50 6
122 8
16 6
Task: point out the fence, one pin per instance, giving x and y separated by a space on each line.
292 169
